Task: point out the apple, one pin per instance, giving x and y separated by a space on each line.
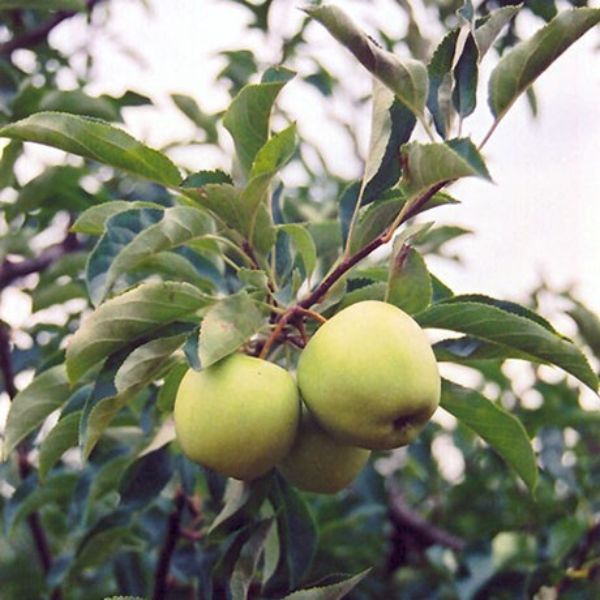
369 376
238 417
317 463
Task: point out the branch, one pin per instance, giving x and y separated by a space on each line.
40 34
168 547
404 518
10 271
347 263
33 520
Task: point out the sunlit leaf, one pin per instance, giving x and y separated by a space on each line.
502 431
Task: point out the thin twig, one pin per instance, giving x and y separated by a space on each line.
171 536
405 517
11 271
39 34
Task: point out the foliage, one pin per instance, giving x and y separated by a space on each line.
161 269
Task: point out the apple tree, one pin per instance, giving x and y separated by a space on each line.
153 287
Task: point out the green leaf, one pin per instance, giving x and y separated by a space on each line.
392 125
120 320
226 326
520 67
588 324
379 215
93 220
501 430
168 391
519 332
146 361
61 437
431 164
10 154
334 591
440 79
373 291
409 285
407 78
466 72
51 5
221 199
247 118
136 235
276 152
247 563
30 407
56 293
468 350
77 102
304 244
95 140
298 534
189 107
488 28
242 501
145 478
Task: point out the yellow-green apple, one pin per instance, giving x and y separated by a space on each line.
370 377
317 463
238 417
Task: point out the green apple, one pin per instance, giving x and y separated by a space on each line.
317 463
238 417
370 377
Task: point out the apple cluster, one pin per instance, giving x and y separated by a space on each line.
367 380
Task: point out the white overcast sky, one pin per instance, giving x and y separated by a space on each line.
539 219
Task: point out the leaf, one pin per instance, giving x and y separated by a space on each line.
61 437
304 244
97 141
439 71
135 235
488 28
167 393
47 392
466 74
242 500
298 534
127 317
189 107
409 286
501 430
392 125
10 154
407 79
467 350
93 220
246 565
221 199
54 293
145 478
588 324
247 118
520 67
276 152
226 326
146 361
519 332
329 592
77 102
427 165
51 5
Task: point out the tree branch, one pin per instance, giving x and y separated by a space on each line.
11 271
40 34
24 466
405 518
168 547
